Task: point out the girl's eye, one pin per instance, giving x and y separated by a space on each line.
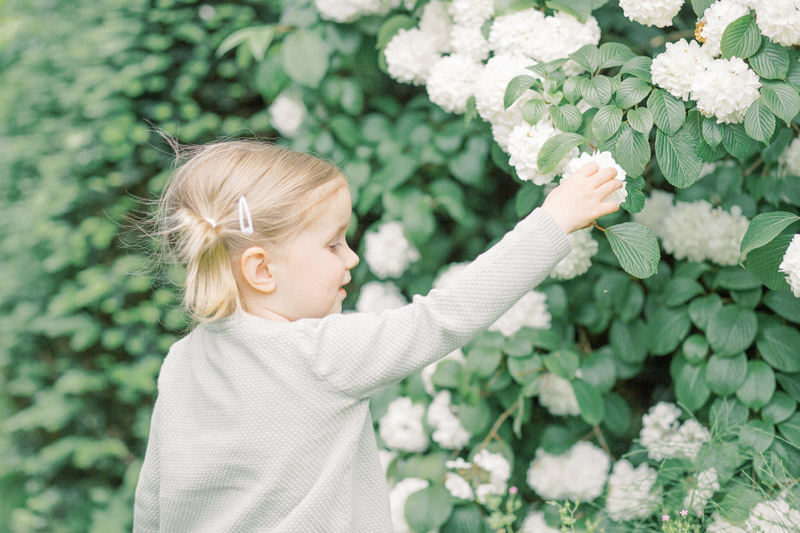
335 246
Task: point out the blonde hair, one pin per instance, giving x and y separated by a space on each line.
197 220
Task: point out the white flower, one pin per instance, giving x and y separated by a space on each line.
471 12
656 208
410 55
562 35
698 231
458 464
603 159
706 484
458 486
660 423
557 396
579 474
448 431
401 426
469 41
387 251
287 113
435 21
535 523
579 259
397 501
789 160
689 440
530 311
498 469
524 143
725 89
350 10
779 20
675 69
377 296
448 273
651 12
452 81
516 32
774 516
721 526
494 79
715 19
428 372
790 265
630 491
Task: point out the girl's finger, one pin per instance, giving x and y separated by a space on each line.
602 176
608 187
589 169
607 208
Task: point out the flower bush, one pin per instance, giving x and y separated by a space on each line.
658 367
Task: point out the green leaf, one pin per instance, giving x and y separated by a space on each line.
614 55
793 76
257 38
516 88
562 363
759 122
791 384
618 414
588 57
639 67
771 61
446 374
712 132
736 140
736 278
702 309
475 418
636 248
763 263
304 55
632 151
668 112
758 386
580 9
556 148
590 401
632 91
465 519
597 91
566 117
606 122
741 38
782 99
690 383
533 111
732 330
677 158
629 340
666 329
700 6
641 119
428 508
695 349
680 290
780 347
391 26
525 370
791 429
484 360
756 434
779 408
784 304
725 374
470 164
598 370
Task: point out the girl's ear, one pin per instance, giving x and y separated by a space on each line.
254 264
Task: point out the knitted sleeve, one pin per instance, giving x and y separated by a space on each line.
146 515
361 353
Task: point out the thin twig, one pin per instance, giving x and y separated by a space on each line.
493 432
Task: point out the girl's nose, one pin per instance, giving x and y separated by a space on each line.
352 259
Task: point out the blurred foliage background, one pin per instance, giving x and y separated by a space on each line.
86 323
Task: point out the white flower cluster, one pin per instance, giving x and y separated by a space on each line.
722 526
579 259
401 427
578 474
410 55
448 431
664 437
398 497
557 396
524 143
530 311
706 484
350 10
535 523
630 491
287 114
790 265
675 69
452 82
377 296
651 12
657 208
714 21
789 160
698 231
603 160
779 20
774 516
725 89
489 472
428 371
387 251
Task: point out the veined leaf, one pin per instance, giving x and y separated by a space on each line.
741 38
668 112
555 148
765 227
636 248
677 158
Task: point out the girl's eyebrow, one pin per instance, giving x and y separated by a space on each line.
340 229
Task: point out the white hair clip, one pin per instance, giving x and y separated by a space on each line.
244 211
212 222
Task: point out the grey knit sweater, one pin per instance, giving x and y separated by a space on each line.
265 426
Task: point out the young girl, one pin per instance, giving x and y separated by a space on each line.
262 421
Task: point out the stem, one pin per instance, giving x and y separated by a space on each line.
598 227
754 166
493 432
601 440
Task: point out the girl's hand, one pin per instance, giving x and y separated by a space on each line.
578 201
